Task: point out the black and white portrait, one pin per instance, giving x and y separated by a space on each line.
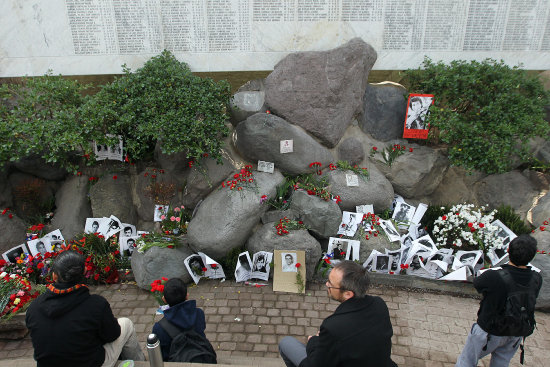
352 180
504 233
466 258
289 262
195 267
264 166
365 209
395 260
101 151
110 227
128 245
403 213
370 260
128 230
93 224
261 267
390 230
382 263
336 247
243 268
14 253
350 221
417 112
426 241
39 246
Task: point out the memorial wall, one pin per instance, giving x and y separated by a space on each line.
80 37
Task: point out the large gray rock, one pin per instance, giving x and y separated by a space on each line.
276 215
259 136
510 188
543 263
226 218
72 207
384 113
267 239
204 179
321 90
36 166
543 238
245 104
113 197
351 150
541 212
379 243
176 162
455 187
144 203
377 190
415 174
13 231
31 194
320 216
158 262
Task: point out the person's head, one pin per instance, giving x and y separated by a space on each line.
261 260
467 258
289 259
522 250
175 291
40 247
346 280
416 103
68 267
131 243
95 226
127 231
114 225
415 262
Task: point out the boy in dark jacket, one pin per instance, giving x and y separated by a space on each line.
182 313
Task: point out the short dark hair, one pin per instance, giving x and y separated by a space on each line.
354 278
69 267
175 291
126 228
522 250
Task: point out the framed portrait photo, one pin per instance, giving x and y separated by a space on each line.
416 125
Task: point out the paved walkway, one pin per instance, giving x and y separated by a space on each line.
429 329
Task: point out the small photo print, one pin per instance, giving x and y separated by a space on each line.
497 255
504 233
352 250
128 230
268 167
101 151
244 267
93 225
115 151
195 267
390 230
39 246
14 253
337 249
382 263
287 146
350 221
395 260
352 180
160 212
466 258
128 245
110 227
261 261
403 213
365 209
289 262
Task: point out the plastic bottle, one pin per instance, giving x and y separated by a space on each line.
154 352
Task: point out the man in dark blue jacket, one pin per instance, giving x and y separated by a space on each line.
357 334
182 313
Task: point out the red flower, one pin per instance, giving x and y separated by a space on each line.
153 176
107 269
79 174
40 265
115 177
481 225
214 266
298 265
146 174
204 269
10 216
410 150
5 210
29 270
545 222
268 112
170 246
374 148
96 277
541 227
236 175
444 217
338 200
470 225
190 164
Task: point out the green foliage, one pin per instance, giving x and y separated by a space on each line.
508 216
345 166
485 111
41 117
432 214
390 153
229 261
163 101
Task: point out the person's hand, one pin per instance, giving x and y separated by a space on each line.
311 336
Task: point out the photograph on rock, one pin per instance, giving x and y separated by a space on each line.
93 225
261 268
127 245
336 249
195 267
39 246
244 267
289 262
15 253
416 125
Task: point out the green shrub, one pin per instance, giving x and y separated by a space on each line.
508 216
163 101
432 214
485 111
41 117
229 261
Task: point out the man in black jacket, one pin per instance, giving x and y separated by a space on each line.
487 335
357 334
71 327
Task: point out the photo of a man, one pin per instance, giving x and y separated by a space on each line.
417 112
289 262
41 247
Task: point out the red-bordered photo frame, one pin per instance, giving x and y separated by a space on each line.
415 125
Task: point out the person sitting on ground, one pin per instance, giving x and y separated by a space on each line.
357 334
183 313
71 327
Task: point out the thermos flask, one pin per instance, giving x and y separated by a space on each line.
153 349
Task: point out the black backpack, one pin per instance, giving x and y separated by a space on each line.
188 345
518 314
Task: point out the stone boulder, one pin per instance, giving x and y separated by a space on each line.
31 193
543 239
204 179
159 262
72 207
113 197
226 218
379 243
144 203
321 91
38 167
543 263
384 113
245 104
320 216
351 150
415 174
541 212
259 136
267 239
376 190
13 231
175 162
455 187
510 188
275 215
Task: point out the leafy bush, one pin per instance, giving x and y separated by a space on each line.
486 111
163 101
41 117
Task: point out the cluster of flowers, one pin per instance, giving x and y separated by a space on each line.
173 222
15 294
157 288
317 167
153 175
286 224
345 166
35 268
240 180
6 210
390 153
101 257
373 221
35 229
467 227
